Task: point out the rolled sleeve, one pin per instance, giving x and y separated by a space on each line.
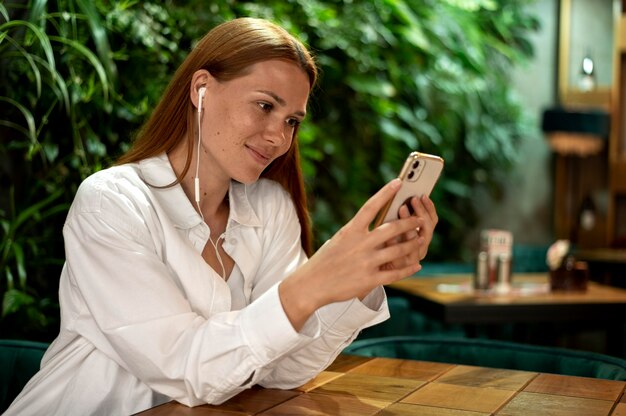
346 317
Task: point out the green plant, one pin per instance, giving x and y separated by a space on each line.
26 246
65 113
44 55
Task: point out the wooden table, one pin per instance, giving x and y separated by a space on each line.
451 299
363 386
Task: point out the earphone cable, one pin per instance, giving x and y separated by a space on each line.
196 184
217 252
196 180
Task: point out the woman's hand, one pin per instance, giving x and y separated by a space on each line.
424 209
356 259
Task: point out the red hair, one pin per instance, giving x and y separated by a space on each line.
227 51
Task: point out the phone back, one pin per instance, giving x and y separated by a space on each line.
419 176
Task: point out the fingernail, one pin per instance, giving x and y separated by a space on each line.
395 183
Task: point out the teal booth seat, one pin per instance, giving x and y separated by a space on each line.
492 353
444 268
19 361
398 322
527 258
530 258
406 321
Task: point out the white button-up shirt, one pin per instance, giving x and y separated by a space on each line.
144 319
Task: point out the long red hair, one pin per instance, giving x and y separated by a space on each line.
226 52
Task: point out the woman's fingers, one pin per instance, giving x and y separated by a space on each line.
393 274
397 230
405 213
421 233
401 251
425 209
402 257
372 206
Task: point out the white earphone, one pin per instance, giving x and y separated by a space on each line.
196 181
201 92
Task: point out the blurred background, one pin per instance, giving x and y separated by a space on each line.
469 80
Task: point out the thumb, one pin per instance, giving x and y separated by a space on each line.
372 206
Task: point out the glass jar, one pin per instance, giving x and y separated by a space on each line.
572 275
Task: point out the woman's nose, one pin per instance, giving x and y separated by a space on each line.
275 133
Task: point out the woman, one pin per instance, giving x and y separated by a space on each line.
186 275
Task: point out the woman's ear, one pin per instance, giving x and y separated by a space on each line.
201 78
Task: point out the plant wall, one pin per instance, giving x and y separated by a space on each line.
78 77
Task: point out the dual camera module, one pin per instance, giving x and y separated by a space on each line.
415 171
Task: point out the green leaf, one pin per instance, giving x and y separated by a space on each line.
28 116
43 38
35 209
15 300
4 13
9 275
99 35
21 52
371 86
37 13
15 127
91 58
59 86
19 262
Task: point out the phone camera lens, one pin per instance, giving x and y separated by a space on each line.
416 164
411 174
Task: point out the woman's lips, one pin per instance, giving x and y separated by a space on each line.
258 155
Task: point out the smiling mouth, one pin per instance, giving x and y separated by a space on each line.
258 156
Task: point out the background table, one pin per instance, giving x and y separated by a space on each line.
605 264
363 386
451 300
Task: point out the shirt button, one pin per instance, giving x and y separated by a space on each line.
232 241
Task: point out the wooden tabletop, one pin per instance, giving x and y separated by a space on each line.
363 386
452 299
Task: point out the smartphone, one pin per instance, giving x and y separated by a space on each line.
419 176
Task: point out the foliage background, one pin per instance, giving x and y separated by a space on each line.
78 77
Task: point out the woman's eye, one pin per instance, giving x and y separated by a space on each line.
267 107
293 122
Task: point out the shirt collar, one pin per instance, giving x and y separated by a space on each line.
157 171
241 210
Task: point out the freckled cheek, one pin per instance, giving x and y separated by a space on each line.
289 138
285 148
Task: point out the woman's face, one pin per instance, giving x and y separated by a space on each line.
249 121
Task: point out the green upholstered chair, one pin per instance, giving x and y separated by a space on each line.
529 258
491 353
19 361
444 268
406 321
398 322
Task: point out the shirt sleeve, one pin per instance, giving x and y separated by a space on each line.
127 301
332 327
